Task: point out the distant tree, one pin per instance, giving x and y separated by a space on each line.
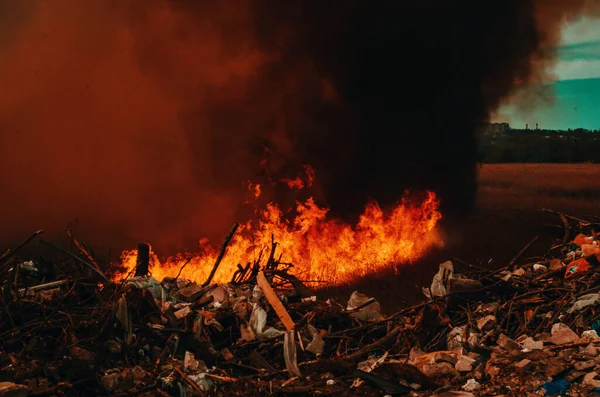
541 146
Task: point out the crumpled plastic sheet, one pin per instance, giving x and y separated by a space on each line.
441 281
456 337
577 268
29 266
258 322
289 354
371 363
585 301
371 312
557 388
151 284
317 344
205 383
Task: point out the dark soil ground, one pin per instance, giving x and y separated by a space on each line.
509 215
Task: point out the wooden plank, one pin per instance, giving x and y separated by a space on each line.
274 301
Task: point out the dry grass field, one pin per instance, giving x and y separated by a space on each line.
573 188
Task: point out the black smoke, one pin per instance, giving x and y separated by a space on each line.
417 82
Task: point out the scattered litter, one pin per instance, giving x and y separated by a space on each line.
364 308
10 389
441 281
585 301
557 388
528 344
500 332
577 268
471 385
539 268
562 334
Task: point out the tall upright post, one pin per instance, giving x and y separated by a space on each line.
143 260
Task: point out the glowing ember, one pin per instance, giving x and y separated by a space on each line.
321 250
298 183
294 183
255 188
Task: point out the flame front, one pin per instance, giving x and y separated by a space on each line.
321 250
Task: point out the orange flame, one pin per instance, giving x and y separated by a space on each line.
310 174
321 250
255 188
296 184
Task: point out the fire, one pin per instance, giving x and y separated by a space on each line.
255 188
298 183
294 183
321 250
310 174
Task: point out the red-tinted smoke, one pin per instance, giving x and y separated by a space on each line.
145 118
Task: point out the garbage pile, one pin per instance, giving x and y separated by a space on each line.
521 330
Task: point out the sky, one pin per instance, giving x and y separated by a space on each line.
575 102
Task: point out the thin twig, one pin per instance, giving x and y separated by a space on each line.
520 253
184 265
221 254
190 382
582 222
84 250
469 264
10 253
76 258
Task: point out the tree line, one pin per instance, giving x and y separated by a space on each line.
541 146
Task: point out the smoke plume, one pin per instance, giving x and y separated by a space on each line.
145 119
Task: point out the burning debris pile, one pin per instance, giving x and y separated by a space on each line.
66 329
322 250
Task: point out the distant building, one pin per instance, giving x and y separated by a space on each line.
497 129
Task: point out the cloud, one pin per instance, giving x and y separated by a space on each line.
577 69
568 97
579 54
584 30
584 50
574 107
577 61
